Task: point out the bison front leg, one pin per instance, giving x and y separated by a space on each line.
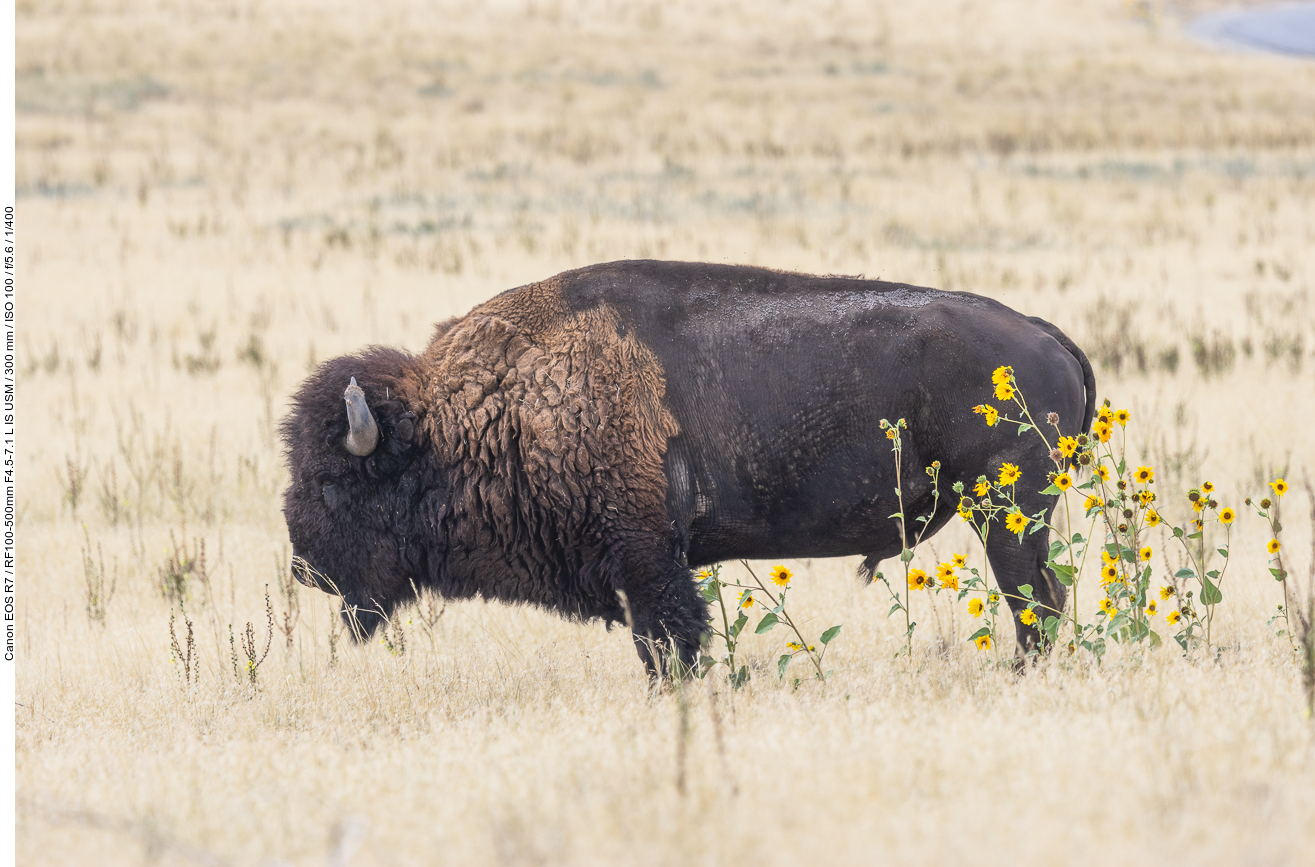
662 604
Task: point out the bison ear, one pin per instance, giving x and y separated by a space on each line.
405 428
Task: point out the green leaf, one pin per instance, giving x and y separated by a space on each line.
1213 573
1021 428
1210 594
1057 547
1223 552
985 630
782 664
1178 532
1278 528
1184 573
711 592
1077 538
1064 578
740 678
899 515
1052 491
738 626
1193 535
907 555
1278 574
1154 636
1123 466
896 607
830 634
769 620
1025 590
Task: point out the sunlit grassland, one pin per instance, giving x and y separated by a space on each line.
212 199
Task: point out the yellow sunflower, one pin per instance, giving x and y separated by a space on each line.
1166 592
965 508
1015 522
982 488
1207 487
1067 446
917 579
1063 481
1108 607
1150 608
1101 472
781 576
1001 375
1009 474
1122 416
1107 558
1004 391
1093 502
1145 553
1227 516
1027 617
1273 546
1280 487
1172 617
1104 413
1146 497
1109 573
983 643
1102 430
1152 518
959 561
975 607
1145 475
746 599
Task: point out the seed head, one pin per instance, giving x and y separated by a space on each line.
1052 419
1127 513
1265 503
1056 455
1084 459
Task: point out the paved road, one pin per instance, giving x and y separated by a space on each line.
1284 29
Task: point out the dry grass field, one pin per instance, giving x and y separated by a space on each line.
215 196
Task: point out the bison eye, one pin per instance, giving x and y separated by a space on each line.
324 479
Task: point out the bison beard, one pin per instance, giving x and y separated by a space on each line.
582 442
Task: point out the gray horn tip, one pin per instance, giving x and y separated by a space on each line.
363 433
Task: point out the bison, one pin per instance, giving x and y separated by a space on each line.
583 442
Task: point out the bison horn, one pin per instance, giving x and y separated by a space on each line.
364 433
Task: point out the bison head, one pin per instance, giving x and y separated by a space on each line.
355 454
